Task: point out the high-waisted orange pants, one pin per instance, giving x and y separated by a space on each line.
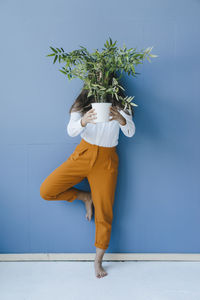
100 165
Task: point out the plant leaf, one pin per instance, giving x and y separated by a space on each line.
53 49
51 54
62 71
55 59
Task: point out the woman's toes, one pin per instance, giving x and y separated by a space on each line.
103 274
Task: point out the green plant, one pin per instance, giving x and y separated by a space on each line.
96 68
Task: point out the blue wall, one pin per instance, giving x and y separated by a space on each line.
157 197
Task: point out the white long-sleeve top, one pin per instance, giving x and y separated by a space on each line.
104 134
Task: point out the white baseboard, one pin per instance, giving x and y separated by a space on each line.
107 256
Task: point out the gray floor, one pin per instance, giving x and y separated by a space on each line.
140 280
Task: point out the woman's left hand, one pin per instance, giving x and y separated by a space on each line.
115 114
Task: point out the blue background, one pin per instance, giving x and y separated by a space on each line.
157 206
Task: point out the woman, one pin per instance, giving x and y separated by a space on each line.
96 158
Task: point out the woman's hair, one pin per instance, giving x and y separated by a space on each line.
83 103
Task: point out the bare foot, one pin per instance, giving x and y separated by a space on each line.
86 197
99 270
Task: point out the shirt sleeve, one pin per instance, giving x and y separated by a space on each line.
129 128
74 126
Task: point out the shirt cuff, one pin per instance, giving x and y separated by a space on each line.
74 126
124 127
79 126
129 128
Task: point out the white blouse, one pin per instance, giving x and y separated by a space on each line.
104 134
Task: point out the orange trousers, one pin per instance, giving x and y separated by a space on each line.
100 165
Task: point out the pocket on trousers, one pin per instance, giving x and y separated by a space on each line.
113 162
78 152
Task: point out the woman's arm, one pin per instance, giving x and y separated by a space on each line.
129 128
74 126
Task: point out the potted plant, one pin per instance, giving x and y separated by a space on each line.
96 68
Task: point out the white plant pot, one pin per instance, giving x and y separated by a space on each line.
102 110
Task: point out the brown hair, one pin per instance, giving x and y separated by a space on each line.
83 103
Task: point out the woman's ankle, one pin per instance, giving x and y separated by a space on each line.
82 195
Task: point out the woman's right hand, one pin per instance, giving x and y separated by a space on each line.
88 117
